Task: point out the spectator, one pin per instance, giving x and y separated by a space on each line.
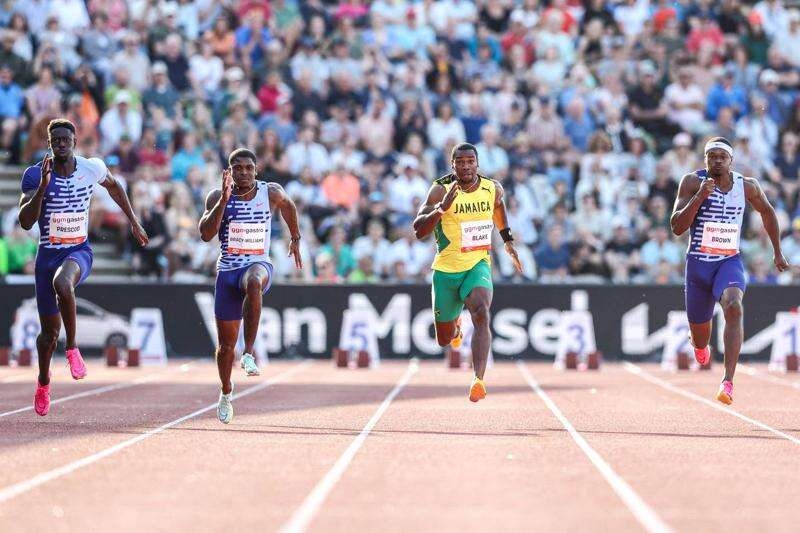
120 120
12 100
341 189
307 153
133 60
340 252
725 94
659 249
552 256
189 155
17 251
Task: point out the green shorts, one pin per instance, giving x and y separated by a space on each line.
450 289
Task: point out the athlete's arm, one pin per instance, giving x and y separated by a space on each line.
691 195
756 198
215 207
429 213
500 218
117 194
284 204
30 204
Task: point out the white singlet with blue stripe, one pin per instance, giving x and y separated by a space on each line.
244 234
716 231
64 218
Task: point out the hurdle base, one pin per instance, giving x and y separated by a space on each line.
5 355
363 359
791 363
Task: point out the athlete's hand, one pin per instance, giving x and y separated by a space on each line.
47 171
781 263
294 251
512 253
450 197
227 184
707 188
139 233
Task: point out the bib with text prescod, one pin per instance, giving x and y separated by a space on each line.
720 238
68 228
246 238
476 235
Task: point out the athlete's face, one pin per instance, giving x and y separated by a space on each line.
465 166
62 142
718 162
244 171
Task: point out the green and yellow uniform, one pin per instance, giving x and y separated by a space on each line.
463 244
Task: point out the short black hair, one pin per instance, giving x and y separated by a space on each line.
60 123
463 146
241 152
720 140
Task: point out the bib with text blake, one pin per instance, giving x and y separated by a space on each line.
476 235
720 238
68 228
246 238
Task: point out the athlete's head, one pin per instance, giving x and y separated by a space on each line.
719 156
61 138
242 163
464 160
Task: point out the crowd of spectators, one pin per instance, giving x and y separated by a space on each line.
589 112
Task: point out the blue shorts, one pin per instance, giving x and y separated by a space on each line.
229 293
48 262
705 283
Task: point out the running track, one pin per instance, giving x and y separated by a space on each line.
400 448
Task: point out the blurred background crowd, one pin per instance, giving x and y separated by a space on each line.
589 112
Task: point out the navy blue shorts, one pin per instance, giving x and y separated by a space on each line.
48 262
229 293
705 283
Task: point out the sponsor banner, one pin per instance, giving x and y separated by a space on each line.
630 322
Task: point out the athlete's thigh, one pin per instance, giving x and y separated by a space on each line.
228 297
730 275
259 271
69 270
227 332
477 285
698 293
447 304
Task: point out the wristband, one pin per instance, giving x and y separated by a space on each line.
505 234
439 208
295 239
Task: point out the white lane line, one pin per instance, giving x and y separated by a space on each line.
645 514
106 388
16 489
642 373
755 373
301 518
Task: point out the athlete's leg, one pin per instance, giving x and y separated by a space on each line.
66 279
254 282
700 306
701 333
447 305
478 303
227 333
445 332
731 303
46 344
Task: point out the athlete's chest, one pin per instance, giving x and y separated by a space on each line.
476 204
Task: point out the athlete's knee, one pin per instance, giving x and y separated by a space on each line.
253 285
63 287
480 315
733 309
441 340
48 336
226 349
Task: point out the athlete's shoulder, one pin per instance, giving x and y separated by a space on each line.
31 177
445 180
95 165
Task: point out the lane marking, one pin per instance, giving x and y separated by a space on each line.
645 375
16 489
106 388
645 514
301 518
754 372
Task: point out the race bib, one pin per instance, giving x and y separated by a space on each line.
246 238
68 228
476 235
720 238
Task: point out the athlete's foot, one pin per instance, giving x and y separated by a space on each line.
455 343
249 365
41 400
725 393
225 407
477 391
76 365
702 355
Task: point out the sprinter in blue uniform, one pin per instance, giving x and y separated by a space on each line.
241 214
56 195
711 204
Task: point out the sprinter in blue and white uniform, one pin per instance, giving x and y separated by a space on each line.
56 195
240 213
711 204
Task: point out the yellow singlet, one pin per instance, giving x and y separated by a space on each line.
464 233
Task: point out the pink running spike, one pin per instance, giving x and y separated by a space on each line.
41 400
725 393
702 355
76 366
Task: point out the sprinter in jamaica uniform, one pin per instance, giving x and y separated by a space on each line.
462 210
